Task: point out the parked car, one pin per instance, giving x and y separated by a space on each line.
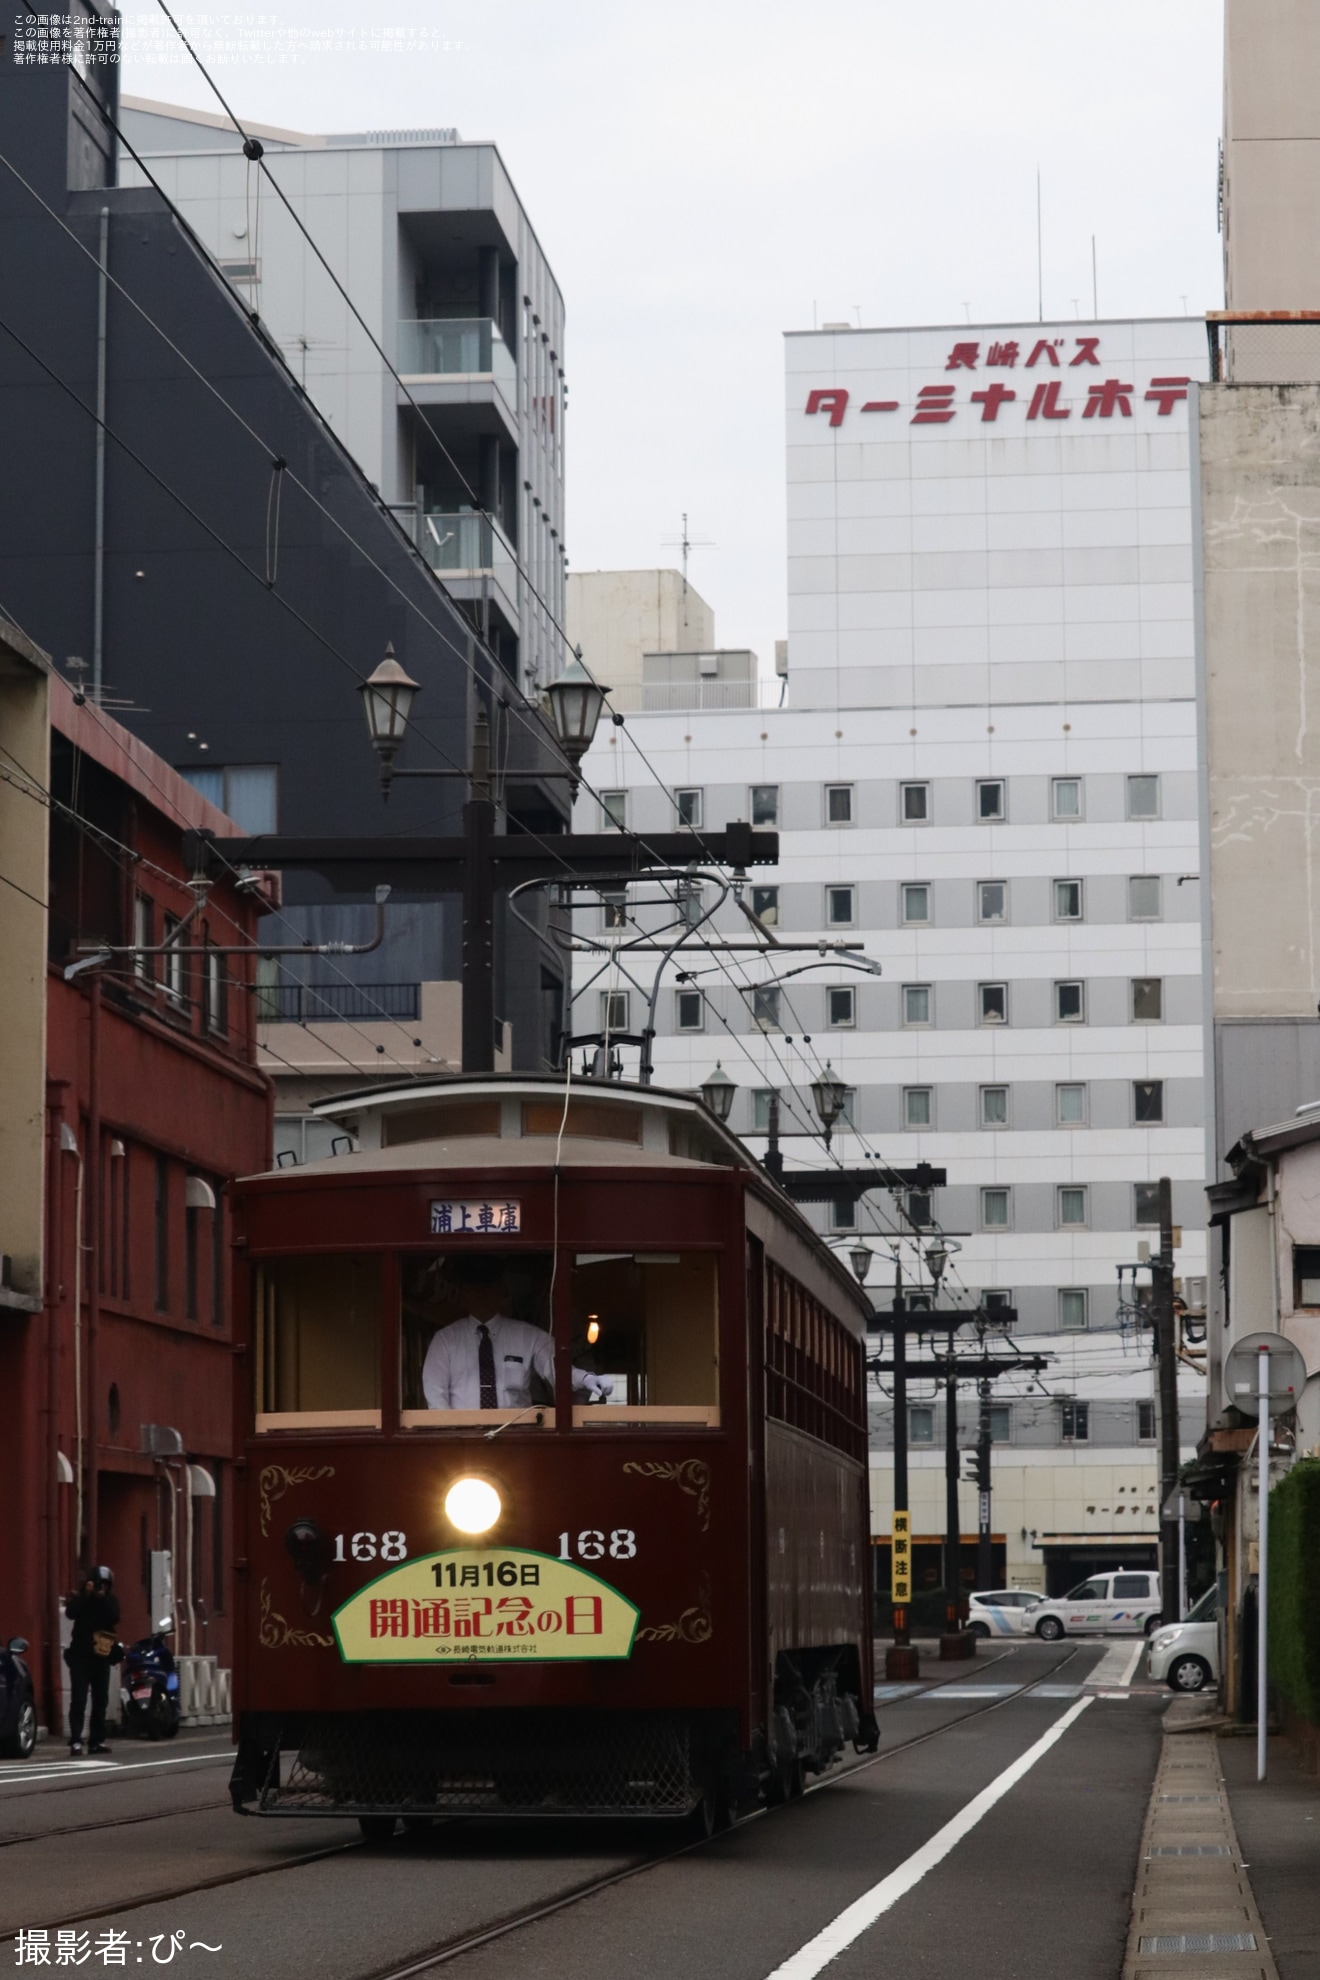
1005 1612
1122 1604
1185 1655
18 1709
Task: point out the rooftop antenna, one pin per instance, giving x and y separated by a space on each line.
686 543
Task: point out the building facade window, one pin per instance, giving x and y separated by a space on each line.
918 1107
761 1098
1067 900
614 908
839 906
1143 797
614 1010
765 905
765 1006
691 902
176 979
1001 1423
1070 1105
916 1003
992 1003
994 1106
1072 1207
1144 897
840 1006
1075 1422
921 1423
1146 1205
992 900
1066 797
1306 1275
217 1014
614 811
1069 1003
246 792
990 800
691 1010
994 1209
996 1298
915 804
1146 1422
144 924
162 1245
838 804
687 804
843 1214
921 1213
1147 999
916 903
765 804
1072 1309
1147 1102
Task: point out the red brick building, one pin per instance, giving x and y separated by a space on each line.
154 1105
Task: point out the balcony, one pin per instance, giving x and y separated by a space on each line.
447 350
468 551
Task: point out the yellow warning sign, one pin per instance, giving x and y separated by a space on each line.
901 1556
482 1603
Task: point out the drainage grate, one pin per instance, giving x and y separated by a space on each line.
1192 1849
1189 1797
1199 1942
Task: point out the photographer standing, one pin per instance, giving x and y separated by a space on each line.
94 1613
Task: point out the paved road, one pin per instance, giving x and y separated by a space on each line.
1044 1876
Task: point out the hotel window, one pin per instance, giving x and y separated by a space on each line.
613 811
761 1098
990 800
921 1423
995 1299
765 905
839 906
688 806
840 1006
992 1002
916 1003
1143 797
1072 1207
691 903
1069 1004
1001 1422
691 1010
1072 1309
994 1106
1147 999
1147 1102
1306 1275
1075 1422
1146 1205
614 1010
765 1007
921 1212
916 904
843 1214
614 907
994 1209
1146 1422
1067 900
1144 897
916 804
992 900
838 804
765 804
917 1106
1066 797
1070 1106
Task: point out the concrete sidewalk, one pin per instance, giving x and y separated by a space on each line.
1278 1827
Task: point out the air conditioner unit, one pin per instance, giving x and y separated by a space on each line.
708 664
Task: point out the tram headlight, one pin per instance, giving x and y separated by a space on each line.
472 1505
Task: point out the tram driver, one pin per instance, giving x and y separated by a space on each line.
485 1360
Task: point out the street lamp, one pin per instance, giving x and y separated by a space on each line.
829 1096
859 1257
937 1257
575 704
387 696
718 1092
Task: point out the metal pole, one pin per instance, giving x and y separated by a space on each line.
985 1566
1182 1557
901 1636
1263 1569
98 565
479 909
1170 1442
952 1535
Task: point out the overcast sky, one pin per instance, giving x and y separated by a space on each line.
705 176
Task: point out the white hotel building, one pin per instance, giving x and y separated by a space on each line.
986 772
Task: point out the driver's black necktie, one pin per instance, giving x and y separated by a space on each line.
486 1367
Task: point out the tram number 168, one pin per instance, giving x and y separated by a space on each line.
592 1545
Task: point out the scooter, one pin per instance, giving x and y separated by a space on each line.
149 1686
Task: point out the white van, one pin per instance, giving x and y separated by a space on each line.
1126 1603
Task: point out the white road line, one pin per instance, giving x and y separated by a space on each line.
863 1912
1129 1669
96 1770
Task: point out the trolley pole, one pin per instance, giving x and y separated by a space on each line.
1170 1443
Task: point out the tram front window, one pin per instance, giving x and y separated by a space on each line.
318 1344
648 1322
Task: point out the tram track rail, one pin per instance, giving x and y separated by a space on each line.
451 1950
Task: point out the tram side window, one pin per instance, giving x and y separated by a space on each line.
477 1343
647 1323
318 1334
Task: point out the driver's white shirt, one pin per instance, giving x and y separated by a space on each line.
451 1373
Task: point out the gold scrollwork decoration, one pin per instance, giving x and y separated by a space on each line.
275 1633
691 1475
277 1479
693 1626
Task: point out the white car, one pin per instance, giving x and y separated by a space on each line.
1124 1604
1005 1612
1185 1655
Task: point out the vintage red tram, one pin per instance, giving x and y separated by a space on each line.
554 1495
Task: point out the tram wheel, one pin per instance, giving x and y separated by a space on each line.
377 1828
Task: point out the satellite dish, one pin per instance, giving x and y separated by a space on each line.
1242 1374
